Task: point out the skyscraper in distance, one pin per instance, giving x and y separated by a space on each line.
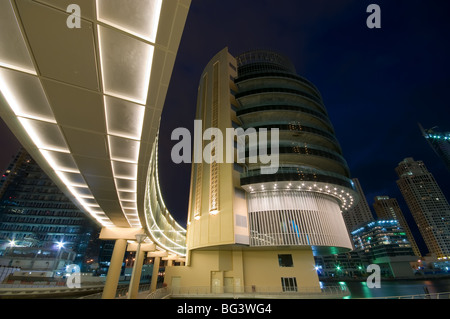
360 213
439 142
428 205
389 209
37 219
251 227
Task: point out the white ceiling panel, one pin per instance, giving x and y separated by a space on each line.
25 95
64 54
60 161
127 196
101 183
125 185
72 179
45 135
15 54
137 17
123 149
126 65
124 118
93 166
82 192
124 170
85 143
76 107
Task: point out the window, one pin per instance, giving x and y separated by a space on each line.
285 261
289 283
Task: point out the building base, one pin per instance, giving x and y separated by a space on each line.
235 269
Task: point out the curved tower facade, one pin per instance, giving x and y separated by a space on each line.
301 203
260 209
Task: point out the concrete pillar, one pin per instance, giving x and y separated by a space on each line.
134 284
112 279
155 273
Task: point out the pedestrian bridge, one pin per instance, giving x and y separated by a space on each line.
85 100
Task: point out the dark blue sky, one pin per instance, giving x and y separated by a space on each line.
377 84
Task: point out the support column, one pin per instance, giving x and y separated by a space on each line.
134 283
140 249
120 235
155 273
112 279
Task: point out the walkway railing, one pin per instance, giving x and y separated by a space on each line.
121 292
440 295
249 292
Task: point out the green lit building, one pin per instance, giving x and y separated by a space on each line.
439 142
386 244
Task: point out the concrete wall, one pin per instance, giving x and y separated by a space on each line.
244 270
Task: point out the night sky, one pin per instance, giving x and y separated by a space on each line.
377 84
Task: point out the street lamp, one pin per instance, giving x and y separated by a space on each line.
139 239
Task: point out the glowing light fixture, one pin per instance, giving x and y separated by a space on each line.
140 19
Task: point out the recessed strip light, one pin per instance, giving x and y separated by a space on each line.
104 221
38 139
25 95
52 162
17 68
64 178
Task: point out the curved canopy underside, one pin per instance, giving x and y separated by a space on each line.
85 100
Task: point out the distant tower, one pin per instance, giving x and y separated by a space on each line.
427 204
35 216
360 213
388 208
439 142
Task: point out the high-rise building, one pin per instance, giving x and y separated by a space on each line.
439 142
38 222
359 213
388 208
256 220
427 204
386 244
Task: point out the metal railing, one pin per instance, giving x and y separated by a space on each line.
121 292
249 292
438 295
160 293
